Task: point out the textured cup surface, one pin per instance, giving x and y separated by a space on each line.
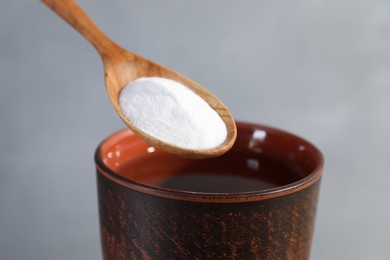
143 221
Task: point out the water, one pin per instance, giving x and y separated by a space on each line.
230 173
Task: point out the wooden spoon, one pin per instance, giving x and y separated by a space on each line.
122 67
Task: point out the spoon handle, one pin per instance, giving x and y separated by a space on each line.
72 13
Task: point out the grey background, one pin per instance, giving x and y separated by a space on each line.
320 69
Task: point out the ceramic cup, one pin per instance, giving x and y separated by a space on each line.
140 218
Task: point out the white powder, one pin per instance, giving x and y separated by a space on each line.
169 111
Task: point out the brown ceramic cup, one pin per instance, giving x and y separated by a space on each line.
143 218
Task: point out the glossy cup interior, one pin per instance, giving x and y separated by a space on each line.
143 162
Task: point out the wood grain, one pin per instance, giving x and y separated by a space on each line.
122 66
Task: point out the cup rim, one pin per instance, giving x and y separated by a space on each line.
184 195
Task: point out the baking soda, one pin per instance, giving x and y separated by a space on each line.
172 113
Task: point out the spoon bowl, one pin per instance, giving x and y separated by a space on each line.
122 66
